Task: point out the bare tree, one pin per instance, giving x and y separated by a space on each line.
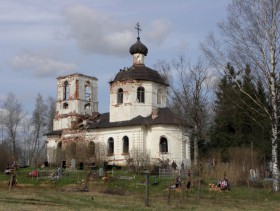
198 107
139 158
39 124
11 117
26 136
189 95
51 102
252 36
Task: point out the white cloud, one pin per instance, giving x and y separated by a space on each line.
102 33
95 32
41 65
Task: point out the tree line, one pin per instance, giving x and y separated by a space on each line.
243 66
22 134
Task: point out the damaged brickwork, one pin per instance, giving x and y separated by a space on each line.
80 146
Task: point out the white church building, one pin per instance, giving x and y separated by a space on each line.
137 123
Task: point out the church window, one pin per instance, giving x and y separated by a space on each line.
91 147
120 96
141 94
66 90
59 145
163 145
125 145
87 91
65 105
73 149
87 106
110 146
159 97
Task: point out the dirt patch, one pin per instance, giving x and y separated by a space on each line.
113 192
24 185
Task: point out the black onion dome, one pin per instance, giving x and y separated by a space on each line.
138 47
139 72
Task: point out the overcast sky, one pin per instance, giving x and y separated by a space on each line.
43 39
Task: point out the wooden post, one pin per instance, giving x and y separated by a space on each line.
169 195
147 189
11 181
12 178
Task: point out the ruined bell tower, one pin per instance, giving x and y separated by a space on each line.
76 97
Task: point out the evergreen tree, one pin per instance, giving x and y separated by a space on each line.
238 121
223 130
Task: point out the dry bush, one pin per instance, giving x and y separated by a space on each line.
5 157
138 160
234 164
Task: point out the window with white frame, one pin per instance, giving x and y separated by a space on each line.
141 94
159 97
120 96
125 145
66 90
87 91
163 145
110 146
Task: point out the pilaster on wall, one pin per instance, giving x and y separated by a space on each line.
133 138
102 149
137 141
117 145
183 146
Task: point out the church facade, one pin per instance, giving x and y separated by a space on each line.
138 124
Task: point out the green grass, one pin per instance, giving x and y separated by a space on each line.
121 194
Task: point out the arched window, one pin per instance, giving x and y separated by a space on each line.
125 145
66 90
65 105
87 106
163 145
141 94
87 91
159 97
120 96
110 146
73 149
91 147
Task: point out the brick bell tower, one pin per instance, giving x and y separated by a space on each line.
76 96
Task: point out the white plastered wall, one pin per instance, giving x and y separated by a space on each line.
178 144
52 149
130 108
145 139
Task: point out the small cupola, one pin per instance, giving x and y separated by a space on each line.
138 47
138 50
